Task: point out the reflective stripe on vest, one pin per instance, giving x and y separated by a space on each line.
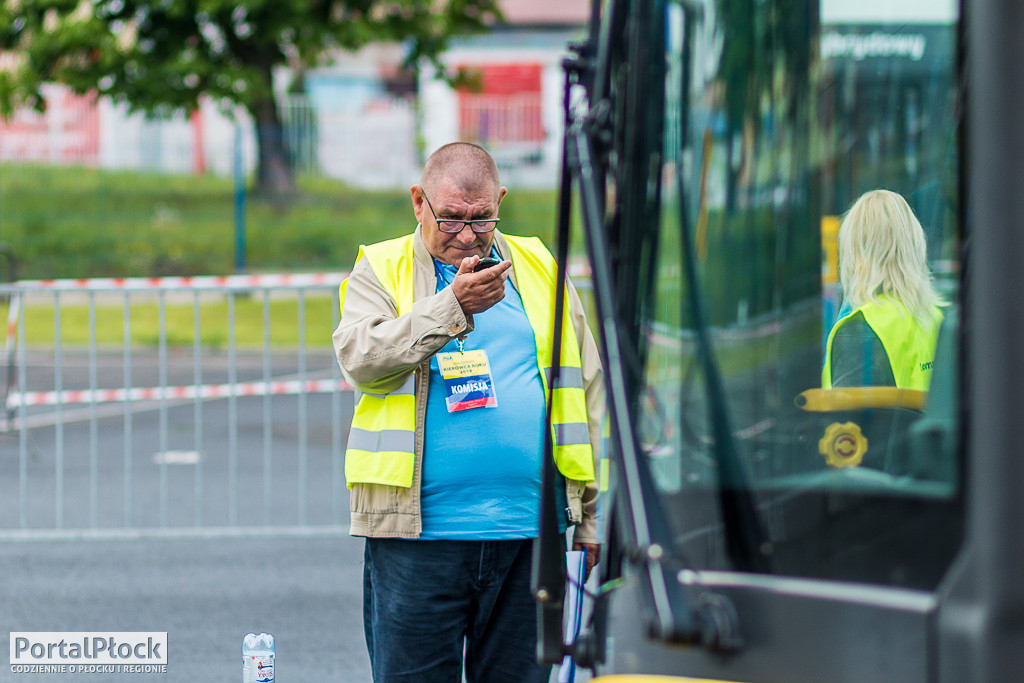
381 446
909 346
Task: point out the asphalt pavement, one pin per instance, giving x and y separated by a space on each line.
205 593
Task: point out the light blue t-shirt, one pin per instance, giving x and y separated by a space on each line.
482 467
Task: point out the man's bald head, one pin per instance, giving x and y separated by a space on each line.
462 165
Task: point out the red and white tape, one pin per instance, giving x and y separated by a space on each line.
577 269
254 281
79 396
211 282
283 280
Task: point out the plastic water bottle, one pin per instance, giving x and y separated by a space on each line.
258 658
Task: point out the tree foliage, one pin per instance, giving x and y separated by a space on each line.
160 56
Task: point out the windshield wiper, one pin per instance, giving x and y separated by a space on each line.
745 539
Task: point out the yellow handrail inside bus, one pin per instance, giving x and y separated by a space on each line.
860 398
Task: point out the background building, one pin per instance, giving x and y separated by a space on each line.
362 119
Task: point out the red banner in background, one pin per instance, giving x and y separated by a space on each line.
508 107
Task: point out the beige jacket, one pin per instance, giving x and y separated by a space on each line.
378 349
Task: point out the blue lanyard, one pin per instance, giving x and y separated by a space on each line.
440 270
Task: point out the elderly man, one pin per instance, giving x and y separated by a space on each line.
447 335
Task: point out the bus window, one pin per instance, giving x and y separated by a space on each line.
776 120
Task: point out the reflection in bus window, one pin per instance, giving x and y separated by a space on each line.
889 322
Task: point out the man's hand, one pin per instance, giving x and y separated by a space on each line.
593 555
477 292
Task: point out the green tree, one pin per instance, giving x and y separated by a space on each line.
160 56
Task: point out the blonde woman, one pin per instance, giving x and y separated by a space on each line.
890 320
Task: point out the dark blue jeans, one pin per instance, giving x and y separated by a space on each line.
427 602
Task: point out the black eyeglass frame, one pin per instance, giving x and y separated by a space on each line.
493 222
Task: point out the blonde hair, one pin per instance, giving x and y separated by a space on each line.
882 251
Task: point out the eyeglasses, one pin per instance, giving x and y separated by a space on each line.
454 225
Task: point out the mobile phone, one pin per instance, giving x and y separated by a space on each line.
486 262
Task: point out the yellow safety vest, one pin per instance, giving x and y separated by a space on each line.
381 445
909 346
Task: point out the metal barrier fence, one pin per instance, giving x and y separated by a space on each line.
193 429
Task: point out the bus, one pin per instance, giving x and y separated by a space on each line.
757 526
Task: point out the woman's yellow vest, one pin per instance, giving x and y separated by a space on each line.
381 445
909 345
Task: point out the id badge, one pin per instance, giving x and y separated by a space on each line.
467 380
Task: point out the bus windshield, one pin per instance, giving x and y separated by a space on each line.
810 158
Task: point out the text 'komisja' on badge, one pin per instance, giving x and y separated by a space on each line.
467 380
